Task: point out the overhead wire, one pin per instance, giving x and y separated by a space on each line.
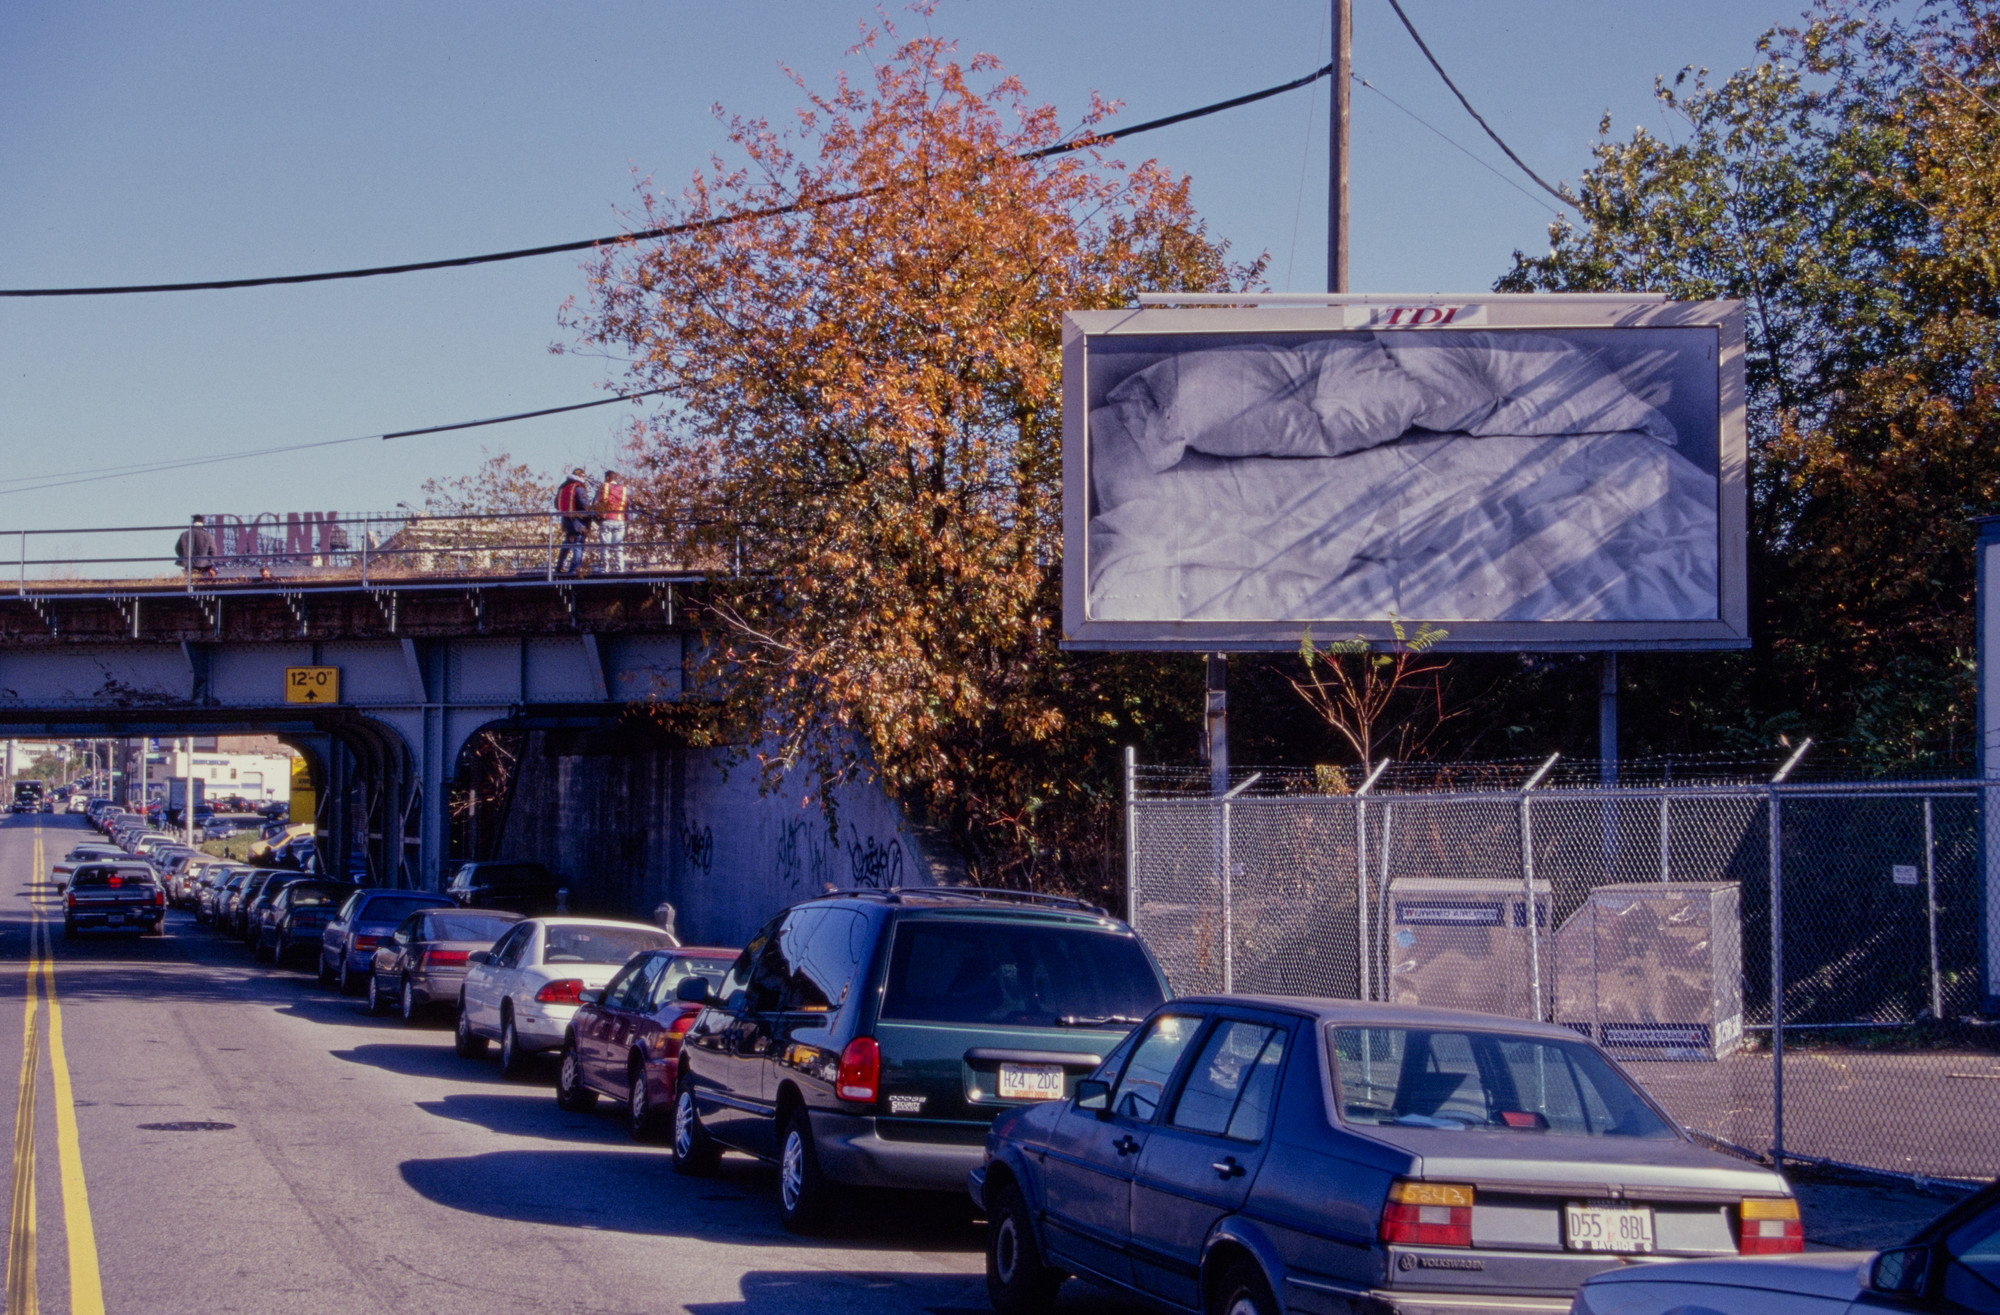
25 484
646 234
1456 145
1519 163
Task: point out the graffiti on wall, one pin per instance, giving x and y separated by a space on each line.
873 865
698 848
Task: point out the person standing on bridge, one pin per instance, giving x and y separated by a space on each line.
573 504
613 496
195 550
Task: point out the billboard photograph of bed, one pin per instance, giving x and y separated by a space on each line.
1498 473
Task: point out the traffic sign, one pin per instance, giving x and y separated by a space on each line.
312 684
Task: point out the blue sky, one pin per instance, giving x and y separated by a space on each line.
230 138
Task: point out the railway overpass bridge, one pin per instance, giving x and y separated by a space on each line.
422 660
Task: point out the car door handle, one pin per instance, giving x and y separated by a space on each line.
1227 1167
1126 1145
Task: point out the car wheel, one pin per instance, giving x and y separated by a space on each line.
468 1043
1243 1292
513 1059
69 928
802 1190
378 1004
641 1119
571 1094
342 981
408 1003
1017 1280
695 1152
325 973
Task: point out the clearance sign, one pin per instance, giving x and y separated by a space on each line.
312 684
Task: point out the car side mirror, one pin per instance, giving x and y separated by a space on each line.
694 991
479 956
590 997
1094 1095
1899 1272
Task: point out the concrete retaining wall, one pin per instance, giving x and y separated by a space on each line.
632 824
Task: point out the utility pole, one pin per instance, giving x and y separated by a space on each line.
1339 103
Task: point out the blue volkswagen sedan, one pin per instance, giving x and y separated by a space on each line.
1251 1156
369 917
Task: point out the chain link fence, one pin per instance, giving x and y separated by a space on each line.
1648 918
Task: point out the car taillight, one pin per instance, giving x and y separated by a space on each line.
115 882
1428 1214
445 958
69 900
680 1026
860 1070
1770 1227
568 991
160 898
366 942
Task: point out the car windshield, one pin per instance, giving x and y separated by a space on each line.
1466 1081
1975 1245
590 943
312 896
89 878
1028 974
465 927
392 908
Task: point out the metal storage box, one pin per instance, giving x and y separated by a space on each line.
1465 944
1654 970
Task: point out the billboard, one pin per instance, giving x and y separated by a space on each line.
1542 472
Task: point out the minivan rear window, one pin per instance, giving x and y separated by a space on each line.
1017 973
91 878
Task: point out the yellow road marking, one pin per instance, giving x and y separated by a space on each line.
86 1288
23 1297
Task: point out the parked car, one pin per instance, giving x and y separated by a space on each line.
1951 1266
625 1040
1253 1154
870 1038
228 898
422 963
243 909
121 896
296 917
210 887
370 915
86 852
524 991
78 803
526 888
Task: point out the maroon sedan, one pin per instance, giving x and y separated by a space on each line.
625 1040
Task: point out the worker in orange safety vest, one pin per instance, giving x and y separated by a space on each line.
612 498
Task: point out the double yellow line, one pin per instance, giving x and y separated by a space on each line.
86 1289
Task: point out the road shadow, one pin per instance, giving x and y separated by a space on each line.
527 1112
851 1292
637 1191
427 1058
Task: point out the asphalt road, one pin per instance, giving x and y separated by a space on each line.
338 1162
352 1164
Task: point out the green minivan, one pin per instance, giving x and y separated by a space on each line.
868 1038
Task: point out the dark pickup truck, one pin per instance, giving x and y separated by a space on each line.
114 897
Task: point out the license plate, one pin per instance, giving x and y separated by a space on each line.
1607 1226
1031 1082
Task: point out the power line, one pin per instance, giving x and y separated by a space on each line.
1455 144
26 485
666 230
1519 163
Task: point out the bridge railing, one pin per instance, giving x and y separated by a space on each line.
372 549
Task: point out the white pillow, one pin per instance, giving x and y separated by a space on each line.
1538 384
1321 398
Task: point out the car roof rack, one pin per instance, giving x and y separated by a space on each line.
895 894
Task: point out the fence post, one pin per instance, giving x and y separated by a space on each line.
1666 841
1930 899
1533 909
1228 905
1777 986
1131 820
1364 942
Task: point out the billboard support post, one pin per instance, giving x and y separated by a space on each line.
1986 623
1215 668
1340 102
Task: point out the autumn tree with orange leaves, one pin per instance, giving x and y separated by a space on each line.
863 394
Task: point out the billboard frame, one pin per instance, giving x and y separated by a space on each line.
1227 313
